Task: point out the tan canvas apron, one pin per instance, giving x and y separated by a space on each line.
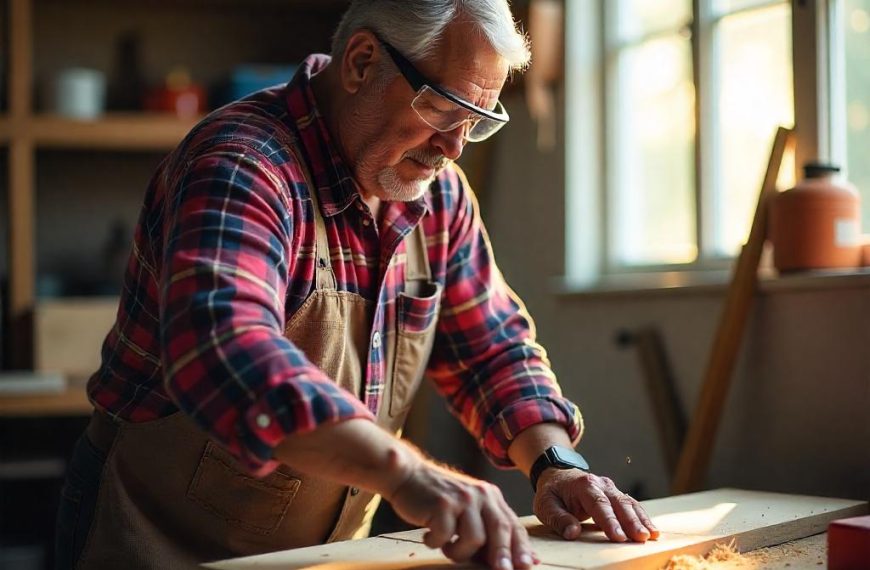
171 498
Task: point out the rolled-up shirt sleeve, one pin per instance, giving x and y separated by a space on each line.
226 363
486 362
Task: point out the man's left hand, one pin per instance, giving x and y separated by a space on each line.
565 497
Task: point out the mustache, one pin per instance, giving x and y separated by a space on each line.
432 160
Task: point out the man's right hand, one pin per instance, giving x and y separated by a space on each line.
466 518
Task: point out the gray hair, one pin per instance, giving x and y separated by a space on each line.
415 27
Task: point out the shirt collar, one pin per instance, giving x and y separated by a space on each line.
333 179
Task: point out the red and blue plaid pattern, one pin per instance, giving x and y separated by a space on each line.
223 256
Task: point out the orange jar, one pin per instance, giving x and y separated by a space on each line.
816 224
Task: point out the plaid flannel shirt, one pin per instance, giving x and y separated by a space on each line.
223 255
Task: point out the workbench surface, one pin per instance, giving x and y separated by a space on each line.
690 524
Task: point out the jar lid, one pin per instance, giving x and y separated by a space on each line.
820 169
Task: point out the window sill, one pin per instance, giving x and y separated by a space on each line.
711 282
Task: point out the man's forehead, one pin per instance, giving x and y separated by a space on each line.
466 64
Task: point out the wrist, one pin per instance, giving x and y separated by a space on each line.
532 441
556 458
400 463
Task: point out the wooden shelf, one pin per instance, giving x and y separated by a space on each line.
73 402
113 131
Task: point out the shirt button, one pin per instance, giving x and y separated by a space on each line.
354 491
263 421
367 222
376 340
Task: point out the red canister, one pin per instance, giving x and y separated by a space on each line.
816 224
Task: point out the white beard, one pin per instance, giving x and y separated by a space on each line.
399 190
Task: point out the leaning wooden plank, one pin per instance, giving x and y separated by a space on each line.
701 436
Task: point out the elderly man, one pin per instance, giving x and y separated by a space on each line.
302 260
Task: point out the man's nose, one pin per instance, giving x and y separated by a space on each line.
451 143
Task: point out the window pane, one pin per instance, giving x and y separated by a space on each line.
652 208
754 95
638 18
857 42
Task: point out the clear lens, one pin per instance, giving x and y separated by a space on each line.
483 129
444 115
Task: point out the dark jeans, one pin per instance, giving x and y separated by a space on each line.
78 497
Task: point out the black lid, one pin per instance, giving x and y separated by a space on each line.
819 169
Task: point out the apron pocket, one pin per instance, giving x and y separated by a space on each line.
417 324
225 490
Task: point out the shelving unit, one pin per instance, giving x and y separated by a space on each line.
37 35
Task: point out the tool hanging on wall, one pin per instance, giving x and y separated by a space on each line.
701 437
669 416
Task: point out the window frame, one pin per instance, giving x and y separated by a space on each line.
589 256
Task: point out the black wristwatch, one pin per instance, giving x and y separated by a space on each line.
558 457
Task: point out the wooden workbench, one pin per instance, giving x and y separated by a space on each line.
690 524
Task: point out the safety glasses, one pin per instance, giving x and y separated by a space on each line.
444 111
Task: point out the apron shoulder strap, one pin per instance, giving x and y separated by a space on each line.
324 276
417 264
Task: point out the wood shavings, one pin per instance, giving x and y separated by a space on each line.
805 553
720 553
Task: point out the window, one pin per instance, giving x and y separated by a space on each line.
689 94
650 130
851 125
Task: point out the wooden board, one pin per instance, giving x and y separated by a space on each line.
379 553
690 524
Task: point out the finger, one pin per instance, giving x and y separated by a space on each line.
521 547
552 512
597 504
623 507
499 532
470 537
647 522
442 528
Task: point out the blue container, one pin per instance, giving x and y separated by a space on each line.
248 78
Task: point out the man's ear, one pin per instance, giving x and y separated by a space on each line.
360 59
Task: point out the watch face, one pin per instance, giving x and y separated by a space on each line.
565 457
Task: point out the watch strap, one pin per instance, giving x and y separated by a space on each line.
551 458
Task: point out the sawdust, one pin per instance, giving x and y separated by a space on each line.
720 553
806 553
